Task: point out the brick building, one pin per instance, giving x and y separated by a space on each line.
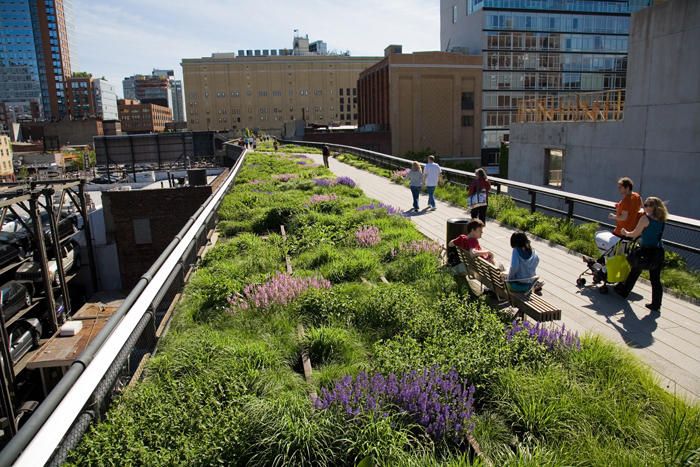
426 100
7 171
143 118
82 96
143 223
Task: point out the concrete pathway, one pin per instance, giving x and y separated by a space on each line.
669 343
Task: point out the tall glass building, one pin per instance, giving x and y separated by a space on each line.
537 48
35 58
20 85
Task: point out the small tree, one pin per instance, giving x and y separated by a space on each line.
23 173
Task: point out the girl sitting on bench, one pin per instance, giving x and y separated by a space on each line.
522 275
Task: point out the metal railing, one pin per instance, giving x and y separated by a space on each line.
85 390
682 234
582 107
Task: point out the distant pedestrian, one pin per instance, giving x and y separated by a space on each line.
650 254
415 178
275 145
478 195
326 154
431 177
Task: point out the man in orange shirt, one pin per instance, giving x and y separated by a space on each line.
627 211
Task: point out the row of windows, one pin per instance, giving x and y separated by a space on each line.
553 81
264 110
550 41
277 118
558 22
592 6
554 62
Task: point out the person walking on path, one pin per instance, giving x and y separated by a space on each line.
628 209
478 195
431 176
415 178
326 154
650 254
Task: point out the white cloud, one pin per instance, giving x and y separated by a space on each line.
117 39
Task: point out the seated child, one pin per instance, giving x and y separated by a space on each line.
470 242
523 265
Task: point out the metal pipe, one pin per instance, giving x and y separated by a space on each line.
88 234
44 261
54 417
48 195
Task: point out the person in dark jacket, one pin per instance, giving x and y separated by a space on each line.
650 254
326 155
478 195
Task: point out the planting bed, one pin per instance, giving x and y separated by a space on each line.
405 372
675 276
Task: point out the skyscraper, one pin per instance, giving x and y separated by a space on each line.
35 57
537 48
157 88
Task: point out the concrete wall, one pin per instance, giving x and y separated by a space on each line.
657 143
466 34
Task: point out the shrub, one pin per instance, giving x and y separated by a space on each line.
331 345
407 268
337 305
351 265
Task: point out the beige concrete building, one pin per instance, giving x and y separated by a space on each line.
427 100
225 91
7 171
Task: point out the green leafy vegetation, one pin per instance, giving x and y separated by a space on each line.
226 386
578 238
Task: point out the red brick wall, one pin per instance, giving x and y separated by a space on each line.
168 209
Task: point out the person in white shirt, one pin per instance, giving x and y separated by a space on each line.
431 175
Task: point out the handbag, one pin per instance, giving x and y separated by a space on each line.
645 258
618 267
478 199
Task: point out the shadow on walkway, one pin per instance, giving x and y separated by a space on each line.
412 213
636 332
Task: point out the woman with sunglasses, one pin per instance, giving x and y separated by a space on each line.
650 254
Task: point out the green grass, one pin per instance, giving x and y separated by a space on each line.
226 385
577 238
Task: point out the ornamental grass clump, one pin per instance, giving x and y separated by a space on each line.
398 176
391 210
281 289
315 199
368 236
552 339
440 402
416 247
347 181
285 177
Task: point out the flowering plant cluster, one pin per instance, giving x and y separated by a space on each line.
438 401
368 236
315 199
347 181
551 338
392 210
421 246
399 175
281 289
285 177
324 182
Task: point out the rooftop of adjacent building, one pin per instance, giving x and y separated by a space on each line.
394 56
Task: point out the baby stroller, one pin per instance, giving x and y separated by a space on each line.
607 269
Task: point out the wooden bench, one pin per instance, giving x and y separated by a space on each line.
490 278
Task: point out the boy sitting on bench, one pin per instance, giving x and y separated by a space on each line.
470 241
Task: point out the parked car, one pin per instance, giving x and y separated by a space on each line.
31 270
14 296
104 179
10 254
24 336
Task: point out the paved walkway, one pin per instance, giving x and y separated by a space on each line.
669 343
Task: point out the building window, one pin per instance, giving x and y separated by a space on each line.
142 231
553 167
467 101
467 120
454 14
340 91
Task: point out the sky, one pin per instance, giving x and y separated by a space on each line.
120 38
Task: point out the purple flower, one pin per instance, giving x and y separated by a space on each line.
399 175
415 247
551 338
285 177
392 210
324 182
281 289
347 181
439 401
368 236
